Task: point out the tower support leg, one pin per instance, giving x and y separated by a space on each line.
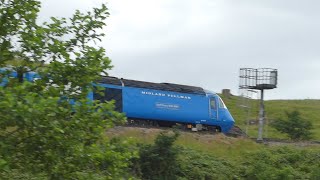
261 119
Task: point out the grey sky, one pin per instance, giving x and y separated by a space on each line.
205 42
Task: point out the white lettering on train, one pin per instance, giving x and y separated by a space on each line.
163 95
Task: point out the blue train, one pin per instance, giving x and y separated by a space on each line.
163 104
167 104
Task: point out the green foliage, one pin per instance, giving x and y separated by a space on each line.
49 127
42 133
295 126
200 165
17 25
66 44
164 161
215 157
281 163
315 172
159 161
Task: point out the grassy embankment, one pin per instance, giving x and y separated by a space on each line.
275 109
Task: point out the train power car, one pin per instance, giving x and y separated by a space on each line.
166 104
160 103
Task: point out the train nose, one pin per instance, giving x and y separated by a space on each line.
229 122
229 117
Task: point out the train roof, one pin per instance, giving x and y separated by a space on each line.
149 85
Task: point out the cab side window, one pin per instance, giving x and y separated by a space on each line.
213 103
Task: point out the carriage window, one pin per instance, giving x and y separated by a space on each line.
212 103
109 94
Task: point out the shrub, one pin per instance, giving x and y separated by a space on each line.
159 161
294 126
280 163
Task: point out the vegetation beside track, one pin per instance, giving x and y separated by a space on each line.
202 156
275 109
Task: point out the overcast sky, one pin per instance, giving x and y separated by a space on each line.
205 42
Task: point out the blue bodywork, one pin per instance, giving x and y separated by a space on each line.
186 108
29 76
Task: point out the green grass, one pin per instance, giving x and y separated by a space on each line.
274 109
217 145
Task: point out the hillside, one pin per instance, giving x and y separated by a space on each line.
275 109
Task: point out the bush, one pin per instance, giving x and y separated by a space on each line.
199 165
294 126
159 161
163 160
281 163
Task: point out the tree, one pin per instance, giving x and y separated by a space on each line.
20 36
41 131
159 161
294 126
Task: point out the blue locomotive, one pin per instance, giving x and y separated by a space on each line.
163 104
166 104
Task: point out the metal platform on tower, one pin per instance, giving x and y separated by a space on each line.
262 78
